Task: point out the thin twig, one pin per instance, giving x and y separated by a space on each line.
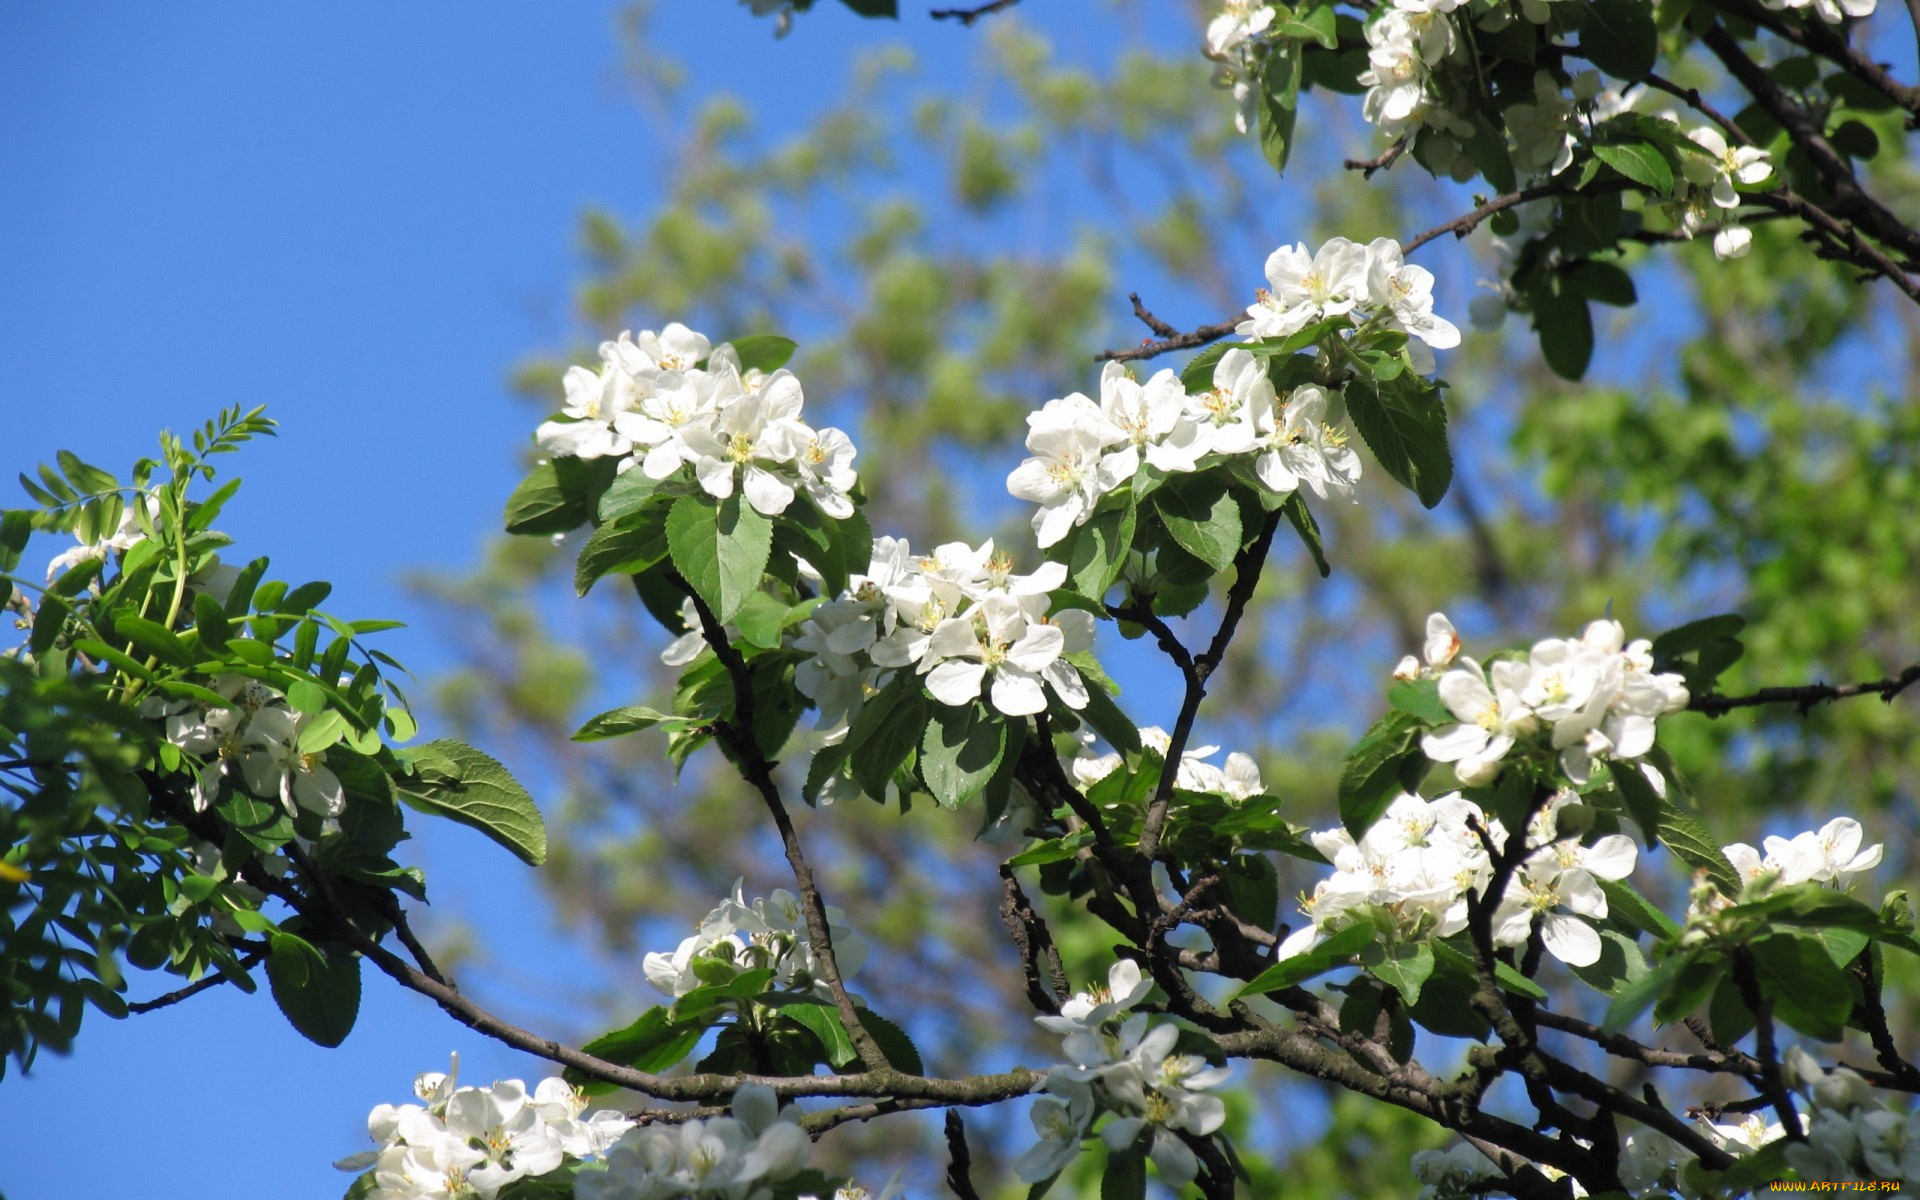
967 16
1804 697
1772 1085
1247 566
1035 943
1160 328
247 961
1368 166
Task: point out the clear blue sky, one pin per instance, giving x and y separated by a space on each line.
362 214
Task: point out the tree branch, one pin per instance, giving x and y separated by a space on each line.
247 961
1247 565
1804 697
967 16
1034 942
959 1159
737 733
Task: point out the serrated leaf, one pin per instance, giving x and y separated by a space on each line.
1369 776
318 988
1301 518
1097 551
1420 698
1602 282
960 751
1109 721
1689 839
1201 515
819 1018
1639 162
1809 993
472 788
721 549
1629 905
1404 422
1643 803
1197 376
624 547
1316 24
893 1042
630 491
1404 968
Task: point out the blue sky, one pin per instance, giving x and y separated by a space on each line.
362 214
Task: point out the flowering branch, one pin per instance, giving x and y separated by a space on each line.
1247 566
737 735
1804 697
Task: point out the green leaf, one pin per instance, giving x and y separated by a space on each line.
1639 162
474 789
317 988
1420 698
1316 24
629 492
893 1042
1253 887
764 351
819 1018
1639 994
155 639
1096 551
653 1043
1404 968
1109 722
761 620
960 751
1619 37
888 727
1809 993
1279 102
1197 375
1642 802
1601 282
557 496
1404 423
624 547
1309 530
1126 1175
1370 775
1629 905
1053 849
1566 331
1685 836
618 722
1337 951
1202 517
1698 635
721 550
1620 963
16 526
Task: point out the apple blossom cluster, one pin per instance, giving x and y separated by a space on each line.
1831 855
742 935
1238 780
256 741
467 1143
1410 876
958 616
1370 284
1231 37
1122 1064
718 1158
1080 451
671 400
1593 697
